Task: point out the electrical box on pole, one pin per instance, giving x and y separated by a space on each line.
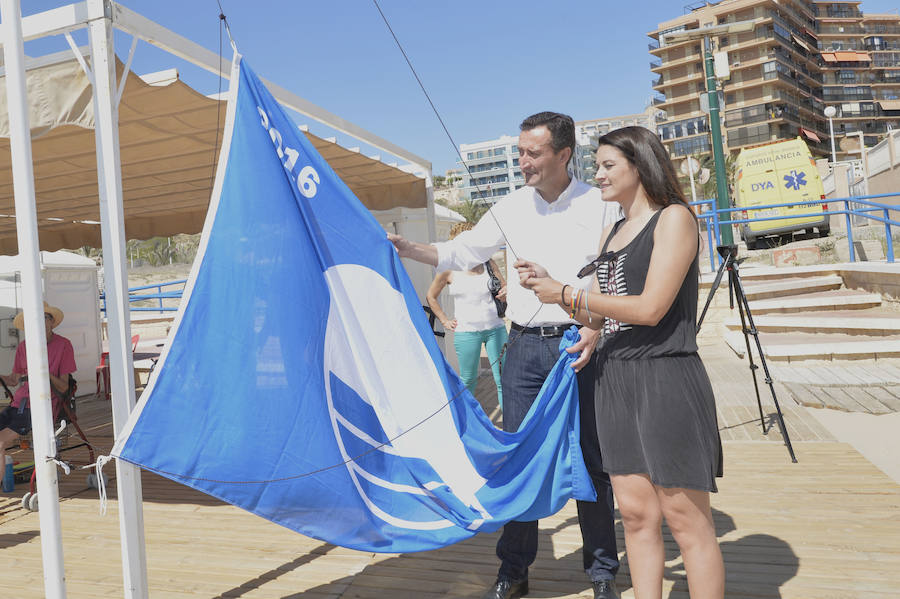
721 67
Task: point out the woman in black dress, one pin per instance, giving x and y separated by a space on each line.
656 416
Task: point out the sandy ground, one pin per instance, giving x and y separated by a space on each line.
875 437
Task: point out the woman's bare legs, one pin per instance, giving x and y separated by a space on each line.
641 514
688 515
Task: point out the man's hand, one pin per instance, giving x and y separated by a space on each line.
529 270
402 244
585 344
450 325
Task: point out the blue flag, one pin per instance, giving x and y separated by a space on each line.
303 383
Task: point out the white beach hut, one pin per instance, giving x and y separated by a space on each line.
70 283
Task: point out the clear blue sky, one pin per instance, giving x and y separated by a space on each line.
486 64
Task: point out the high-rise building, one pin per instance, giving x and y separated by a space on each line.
491 168
802 56
588 132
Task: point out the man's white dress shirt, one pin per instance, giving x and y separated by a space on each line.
561 236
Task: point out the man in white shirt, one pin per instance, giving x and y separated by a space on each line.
557 222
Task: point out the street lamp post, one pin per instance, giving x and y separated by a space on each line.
715 126
830 111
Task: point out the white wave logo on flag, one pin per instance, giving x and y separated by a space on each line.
303 383
406 394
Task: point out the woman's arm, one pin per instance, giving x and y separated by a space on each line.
434 290
501 294
674 249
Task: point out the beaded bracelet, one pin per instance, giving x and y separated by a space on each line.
562 296
587 306
575 298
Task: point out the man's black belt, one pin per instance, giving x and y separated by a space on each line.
556 330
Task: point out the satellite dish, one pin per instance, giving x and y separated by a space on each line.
689 164
849 144
704 176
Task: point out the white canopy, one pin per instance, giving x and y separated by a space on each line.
168 137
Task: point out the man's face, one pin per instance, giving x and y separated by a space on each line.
539 163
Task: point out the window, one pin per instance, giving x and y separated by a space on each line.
694 145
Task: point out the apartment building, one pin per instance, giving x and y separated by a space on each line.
862 68
491 168
588 132
802 56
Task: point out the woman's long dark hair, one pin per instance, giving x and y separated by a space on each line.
643 149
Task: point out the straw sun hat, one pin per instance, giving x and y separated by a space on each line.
56 313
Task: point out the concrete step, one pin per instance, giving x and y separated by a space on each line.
837 299
871 323
816 346
751 273
788 286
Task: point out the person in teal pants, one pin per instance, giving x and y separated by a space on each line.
475 322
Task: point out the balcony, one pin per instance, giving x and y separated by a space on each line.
470 162
653 45
873 29
497 170
655 64
841 30
658 99
680 80
839 94
885 62
878 44
838 12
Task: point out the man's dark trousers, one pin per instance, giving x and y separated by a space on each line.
529 359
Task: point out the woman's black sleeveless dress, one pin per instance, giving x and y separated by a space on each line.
655 407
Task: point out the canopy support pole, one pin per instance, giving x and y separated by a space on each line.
33 300
112 229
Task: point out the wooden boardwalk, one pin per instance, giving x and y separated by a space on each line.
827 527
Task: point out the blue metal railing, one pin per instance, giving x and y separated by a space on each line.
159 296
860 206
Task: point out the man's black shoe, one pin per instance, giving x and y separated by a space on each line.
605 589
507 589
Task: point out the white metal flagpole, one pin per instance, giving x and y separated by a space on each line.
32 300
112 231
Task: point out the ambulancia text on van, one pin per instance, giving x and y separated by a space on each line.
779 173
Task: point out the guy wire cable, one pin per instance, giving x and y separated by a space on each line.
444 126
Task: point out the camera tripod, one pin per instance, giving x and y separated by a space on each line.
736 291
